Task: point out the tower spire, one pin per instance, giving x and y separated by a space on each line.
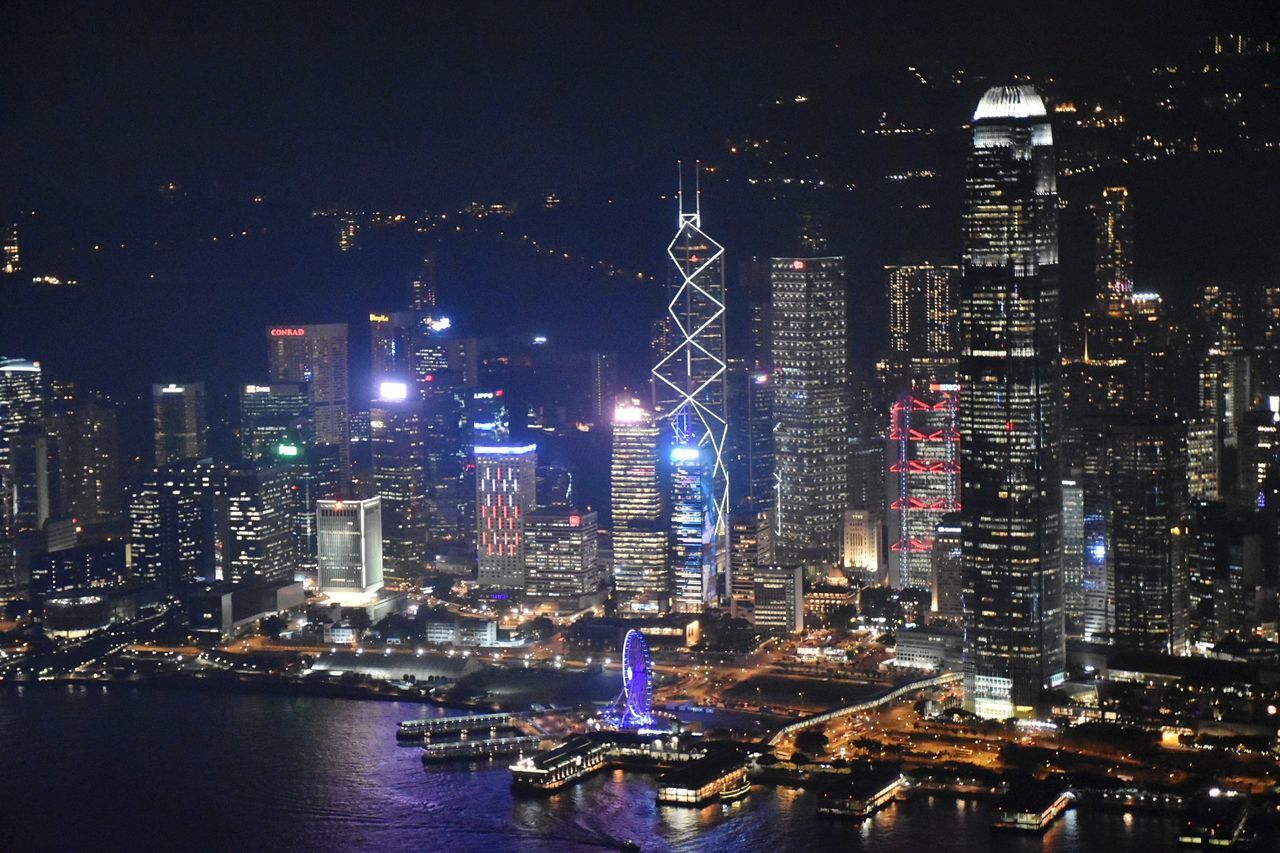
689 383
680 185
697 190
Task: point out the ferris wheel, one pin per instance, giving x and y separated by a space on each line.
633 709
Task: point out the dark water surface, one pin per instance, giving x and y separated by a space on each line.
153 769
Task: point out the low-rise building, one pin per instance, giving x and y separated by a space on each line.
932 647
224 610
448 629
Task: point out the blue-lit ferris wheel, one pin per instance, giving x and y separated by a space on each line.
633 709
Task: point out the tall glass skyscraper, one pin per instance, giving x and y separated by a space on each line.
924 465
506 480
260 544
349 551
561 556
391 339
21 396
922 323
1149 519
400 477
810 406
1010 421
180 424
272 415
689 378
1113 267
317 355
692 577
639 539
21 409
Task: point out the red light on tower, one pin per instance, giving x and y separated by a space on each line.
797 265
575 521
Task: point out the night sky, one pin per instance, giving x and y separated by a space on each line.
386 104
425 107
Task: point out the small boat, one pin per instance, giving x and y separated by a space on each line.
730 794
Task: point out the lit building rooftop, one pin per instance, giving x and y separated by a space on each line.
1010 102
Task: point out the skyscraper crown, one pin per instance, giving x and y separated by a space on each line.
1019 101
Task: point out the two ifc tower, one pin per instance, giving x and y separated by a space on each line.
689 393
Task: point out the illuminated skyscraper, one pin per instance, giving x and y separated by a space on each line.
1223 389
922 323
506 479
349 549
755 282
779 599
29 467
692 574
1230 593
1149 528
1202 459
180 426
1084 443
348 233
690 378
561 554
317 355
761 483
924 468
400 477
391 339
313 476
275 414
863 544
755 430
604 378
34 463
178 525
21 401
1009 412
924 478
423 295
11 260
442 362
1073 549
810 405
260 545
749 447
89 459
639 538
1114 244
948 568
1271 316
1260 453
750 545
487 413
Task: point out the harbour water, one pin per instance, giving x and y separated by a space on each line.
93 768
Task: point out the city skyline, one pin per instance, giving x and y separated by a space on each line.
751 431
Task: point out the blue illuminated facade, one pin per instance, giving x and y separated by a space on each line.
692 574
